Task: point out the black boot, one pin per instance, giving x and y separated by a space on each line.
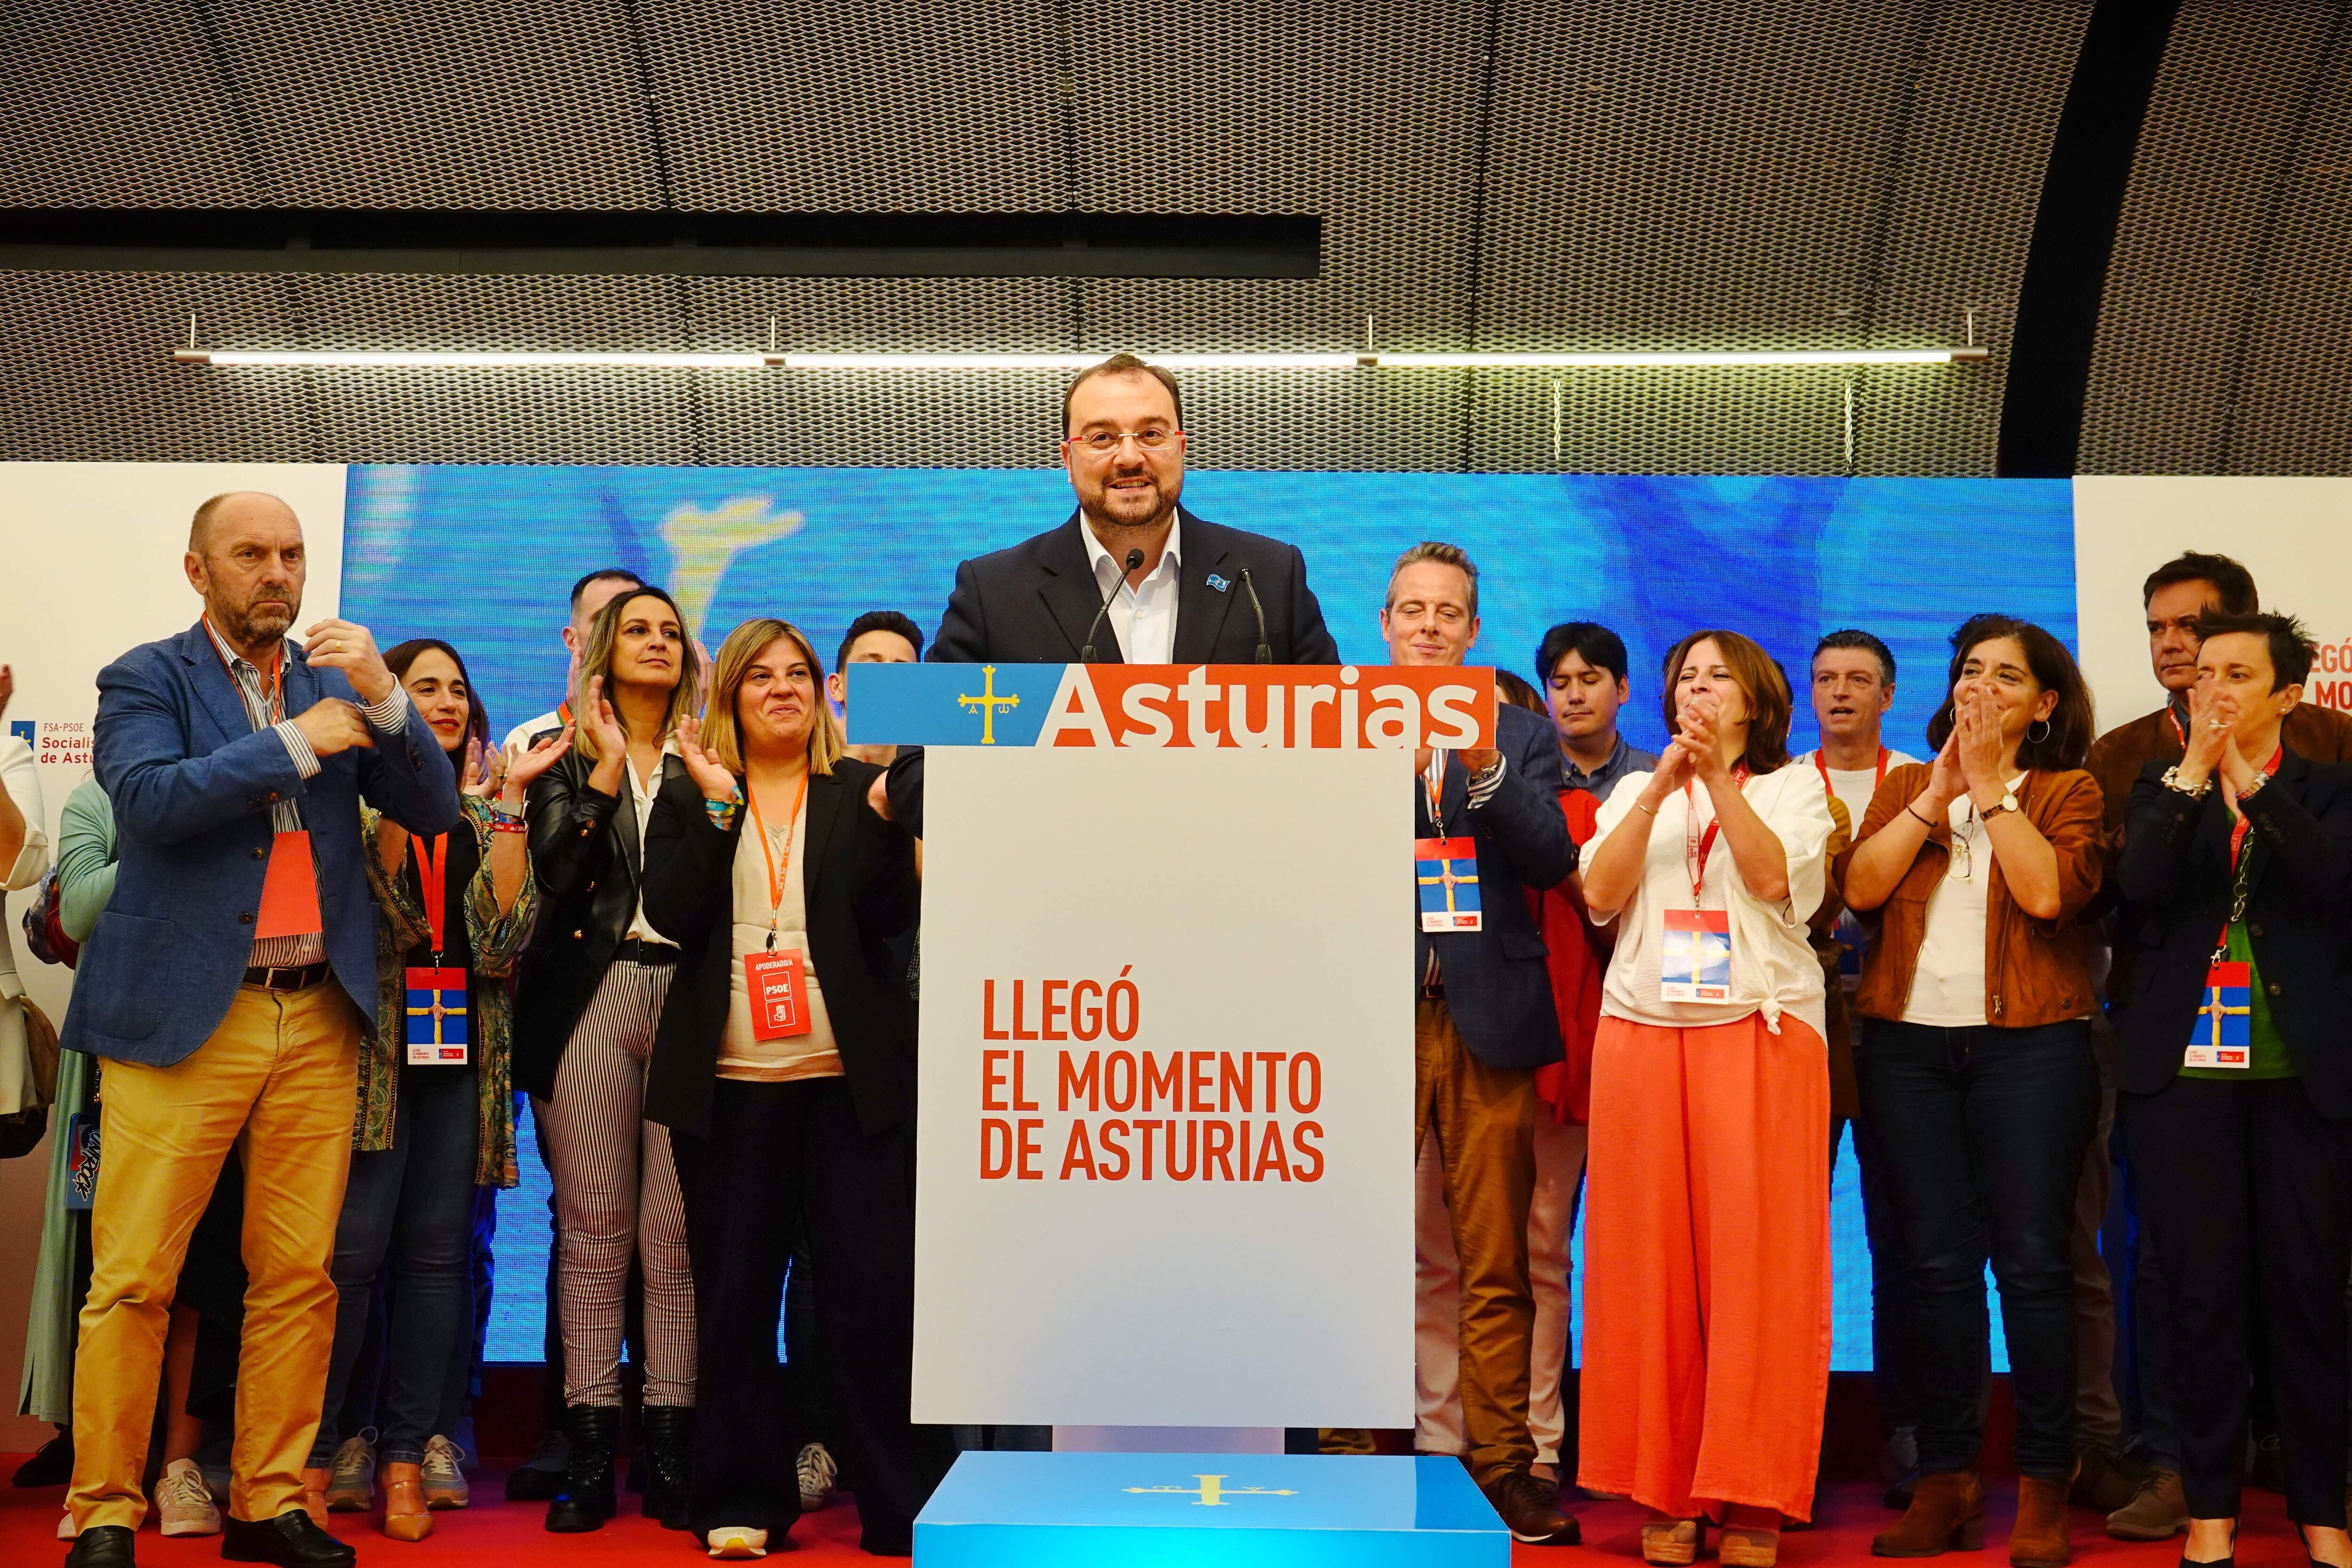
587 1499
669 1458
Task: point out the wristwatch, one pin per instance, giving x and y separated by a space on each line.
2172 782
2007 801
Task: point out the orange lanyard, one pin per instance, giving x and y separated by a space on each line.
432 861
776 874
277 671
1695 846
1823 762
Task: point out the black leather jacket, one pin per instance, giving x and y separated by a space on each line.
584 855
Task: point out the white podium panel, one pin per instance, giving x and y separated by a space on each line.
1165 1146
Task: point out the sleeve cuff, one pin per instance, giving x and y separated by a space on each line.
298 748
1484 785
389 716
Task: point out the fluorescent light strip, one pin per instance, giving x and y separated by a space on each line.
469 360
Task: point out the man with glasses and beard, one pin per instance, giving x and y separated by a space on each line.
1181 588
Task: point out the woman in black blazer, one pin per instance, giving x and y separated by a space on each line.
2237 1074
785 1068
589 993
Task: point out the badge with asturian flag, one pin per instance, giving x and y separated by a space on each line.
1445 872
437 1017
2224 1035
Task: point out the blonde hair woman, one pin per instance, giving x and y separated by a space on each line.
785 1071
591 987
1706 1245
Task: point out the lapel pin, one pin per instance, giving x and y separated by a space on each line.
1219 584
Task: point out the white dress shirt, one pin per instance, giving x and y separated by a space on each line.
1143 620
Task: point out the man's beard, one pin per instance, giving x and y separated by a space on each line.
1162 501
250 626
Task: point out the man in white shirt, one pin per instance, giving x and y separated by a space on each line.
1852 688
588 595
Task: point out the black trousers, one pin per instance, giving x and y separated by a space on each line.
780 1155
2241 1182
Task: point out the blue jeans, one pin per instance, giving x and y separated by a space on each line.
1983 1132
409 1208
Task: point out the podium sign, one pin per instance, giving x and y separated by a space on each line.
1165 1150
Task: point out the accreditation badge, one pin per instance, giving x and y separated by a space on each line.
1445 872
1694 959
2224 1034
777 984
81 1160
437 1017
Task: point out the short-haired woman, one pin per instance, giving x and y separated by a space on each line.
1976 1067
2237 1074
427 1132
1707 1221
591 992
785 1070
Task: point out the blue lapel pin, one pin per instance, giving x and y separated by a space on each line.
1219 584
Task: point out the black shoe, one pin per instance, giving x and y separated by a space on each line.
669 1461
291 1541
541 1476
102 1546
51 1464
587 1500
1531 1511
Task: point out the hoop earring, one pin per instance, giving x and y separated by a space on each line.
2035 739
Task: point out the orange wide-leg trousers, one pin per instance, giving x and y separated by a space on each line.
1707 1271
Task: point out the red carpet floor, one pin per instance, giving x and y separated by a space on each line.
497 1534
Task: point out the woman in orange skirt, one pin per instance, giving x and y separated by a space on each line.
1706 1284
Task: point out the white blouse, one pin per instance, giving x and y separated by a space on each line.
1773 968
742 1054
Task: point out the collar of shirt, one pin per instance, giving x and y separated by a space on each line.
233 658
1616 764
1106 568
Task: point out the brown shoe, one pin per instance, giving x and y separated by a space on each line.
1672 1542
1947 1513
1748 1546
314 1494
2038 1539
1531 1510
2157 1512
406 1516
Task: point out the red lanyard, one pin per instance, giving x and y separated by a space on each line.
277 671
1823 762
776 874
2179 733
1698 846
431 863
2238 886
2238 828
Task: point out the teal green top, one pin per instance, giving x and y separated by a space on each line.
2267 1056
85 860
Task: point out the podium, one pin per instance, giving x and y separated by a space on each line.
1165 1149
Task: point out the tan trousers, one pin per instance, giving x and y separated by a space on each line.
278 1079
1437 1314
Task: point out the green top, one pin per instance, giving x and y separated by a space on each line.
2267 1056
85 860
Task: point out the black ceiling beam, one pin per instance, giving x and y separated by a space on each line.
730 245
2065 276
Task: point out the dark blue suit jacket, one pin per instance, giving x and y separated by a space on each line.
192 784
1497 985
2176 883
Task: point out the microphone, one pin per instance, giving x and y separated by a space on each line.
1265 653
1087 654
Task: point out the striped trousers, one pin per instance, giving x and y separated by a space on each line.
616 1193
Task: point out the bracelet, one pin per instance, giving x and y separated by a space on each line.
1651 809
2255 788
722 813
508 824
1914 810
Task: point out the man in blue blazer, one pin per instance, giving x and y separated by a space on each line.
1483 1024
227 985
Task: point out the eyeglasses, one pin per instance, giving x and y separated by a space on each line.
1152 438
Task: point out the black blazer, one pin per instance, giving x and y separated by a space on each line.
1033 602
859 887
2174 875
1498 985
584 854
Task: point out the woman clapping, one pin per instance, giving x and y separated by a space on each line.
785 1070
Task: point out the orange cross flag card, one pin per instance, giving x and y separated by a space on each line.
1445 873
2224 1035
437 1017
777 984
289 889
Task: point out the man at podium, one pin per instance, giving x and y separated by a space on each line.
1131 577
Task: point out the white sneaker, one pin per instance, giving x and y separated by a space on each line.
817 1475
737 1542
66 1532
183 1503
444 1474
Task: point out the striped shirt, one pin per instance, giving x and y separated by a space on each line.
389 716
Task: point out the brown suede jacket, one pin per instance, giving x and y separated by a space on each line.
2036 971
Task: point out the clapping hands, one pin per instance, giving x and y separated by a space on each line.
715 779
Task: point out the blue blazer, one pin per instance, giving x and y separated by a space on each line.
192 784
1496 984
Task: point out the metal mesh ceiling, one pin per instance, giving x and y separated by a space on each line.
1490 175
2228 299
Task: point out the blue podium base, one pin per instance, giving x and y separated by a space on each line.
1232 1511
